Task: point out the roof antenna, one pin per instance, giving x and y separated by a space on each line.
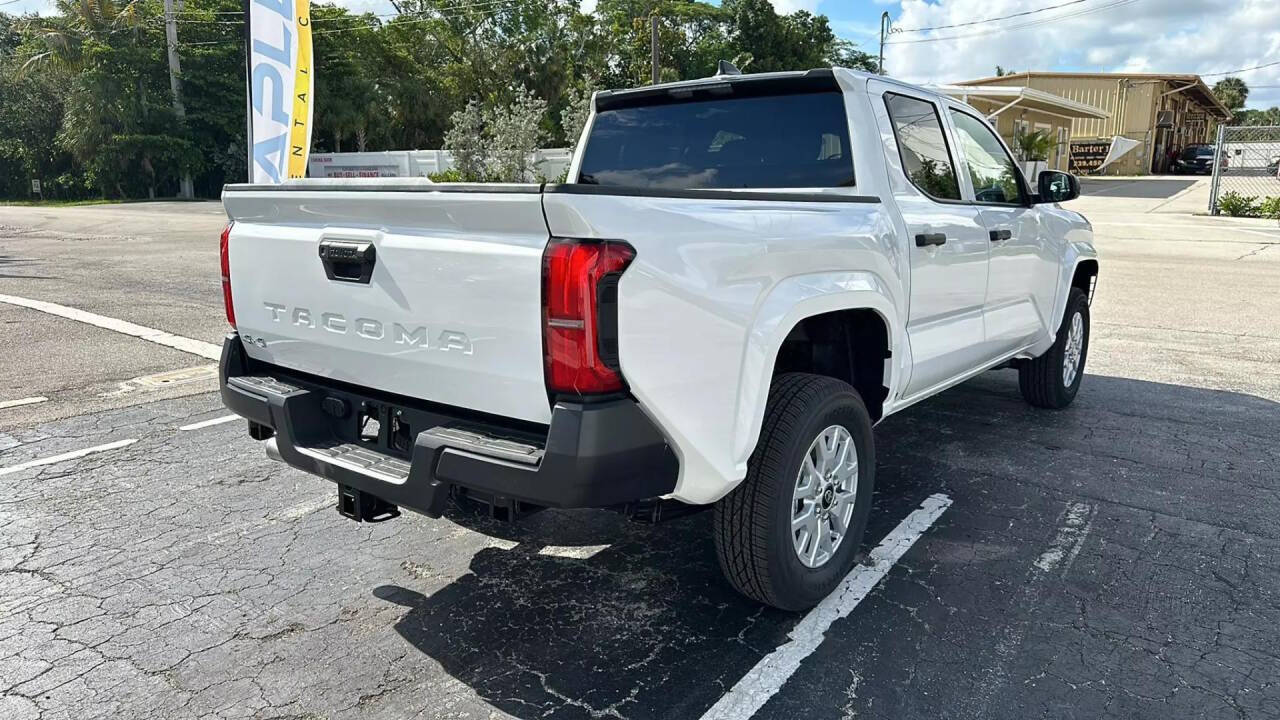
727 68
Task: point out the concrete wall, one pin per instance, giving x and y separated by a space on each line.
550 163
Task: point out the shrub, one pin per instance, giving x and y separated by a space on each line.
450 175
1236 205
574 116
1270 208
493 144
513 133
466 140
1036 146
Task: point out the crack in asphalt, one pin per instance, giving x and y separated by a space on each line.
186 575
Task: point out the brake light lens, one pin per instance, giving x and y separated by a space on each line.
226 275
578 278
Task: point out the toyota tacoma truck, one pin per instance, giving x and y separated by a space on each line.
742 275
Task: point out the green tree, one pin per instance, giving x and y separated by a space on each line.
1232 91
117 123
1270 116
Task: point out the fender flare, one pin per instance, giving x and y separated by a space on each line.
790 302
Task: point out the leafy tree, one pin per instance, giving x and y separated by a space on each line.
1232 91
1035 146
574 116
1270 116
466 140
513 133
85 103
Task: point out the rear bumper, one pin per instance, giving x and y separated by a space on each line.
598 454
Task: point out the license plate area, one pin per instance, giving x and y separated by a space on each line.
383 427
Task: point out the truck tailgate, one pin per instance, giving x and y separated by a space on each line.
422 291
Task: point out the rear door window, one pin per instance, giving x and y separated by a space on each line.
770 141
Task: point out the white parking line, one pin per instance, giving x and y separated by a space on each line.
765 679
1077 520
574 552
66 456
6 404
160 337
210 423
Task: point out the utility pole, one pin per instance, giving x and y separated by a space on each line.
885 23
186 188
653 49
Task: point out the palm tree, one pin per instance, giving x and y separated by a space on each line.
1035 146
104 50
1232 91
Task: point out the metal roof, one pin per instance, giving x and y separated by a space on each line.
1029 98
1196 86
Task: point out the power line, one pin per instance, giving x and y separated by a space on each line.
987 20
1032 23
1240 70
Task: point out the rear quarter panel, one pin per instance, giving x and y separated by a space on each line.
715 287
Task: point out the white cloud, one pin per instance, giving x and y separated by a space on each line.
1174 36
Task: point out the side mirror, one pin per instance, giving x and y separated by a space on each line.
1056 187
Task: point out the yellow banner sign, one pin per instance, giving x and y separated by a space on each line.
281 84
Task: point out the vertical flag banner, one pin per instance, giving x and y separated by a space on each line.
281 82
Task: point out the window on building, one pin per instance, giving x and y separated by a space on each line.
922 144
994 175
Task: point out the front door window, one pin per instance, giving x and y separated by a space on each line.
995 176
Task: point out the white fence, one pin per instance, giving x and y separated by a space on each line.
549 163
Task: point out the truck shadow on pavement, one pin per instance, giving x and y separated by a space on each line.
647 628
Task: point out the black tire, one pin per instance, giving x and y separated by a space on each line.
1041 379
753 534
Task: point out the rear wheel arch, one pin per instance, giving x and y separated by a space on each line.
851 345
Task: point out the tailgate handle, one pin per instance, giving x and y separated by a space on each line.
348 261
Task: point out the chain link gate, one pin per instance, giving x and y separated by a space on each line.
1252 163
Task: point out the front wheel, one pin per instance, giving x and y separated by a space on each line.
790 532
1053 379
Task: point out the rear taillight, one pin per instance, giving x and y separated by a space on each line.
579 314
226 275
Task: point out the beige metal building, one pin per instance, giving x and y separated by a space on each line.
1018 111
1163 112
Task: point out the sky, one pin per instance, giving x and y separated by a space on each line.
1166 36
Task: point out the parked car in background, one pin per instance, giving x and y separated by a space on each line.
742 275
1196 159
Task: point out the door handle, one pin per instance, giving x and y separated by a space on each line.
998 235
927 239
348 261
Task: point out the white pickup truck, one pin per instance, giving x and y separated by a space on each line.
743 274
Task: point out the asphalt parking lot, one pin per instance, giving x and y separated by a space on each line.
1117 559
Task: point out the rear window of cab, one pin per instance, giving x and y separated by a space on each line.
769 141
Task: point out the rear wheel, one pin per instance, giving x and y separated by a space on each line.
791 530
1053 379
